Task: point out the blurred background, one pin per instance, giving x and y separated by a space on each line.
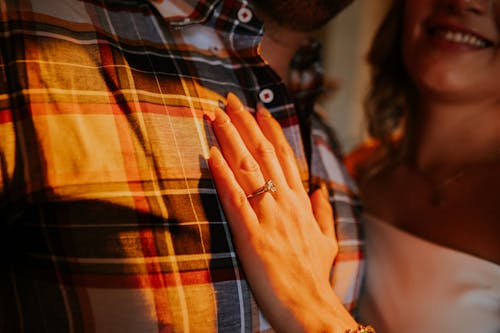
345 43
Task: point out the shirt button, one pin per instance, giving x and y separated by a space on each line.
215 49
266 96
245 15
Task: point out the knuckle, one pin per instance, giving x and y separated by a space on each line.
264 245
284 149
335 251
237 199
248 164
334 247
328 208
264 149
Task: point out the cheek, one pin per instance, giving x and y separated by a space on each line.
496 11
415 36
413 31
412 57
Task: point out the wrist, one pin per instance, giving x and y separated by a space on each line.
362 329
324 312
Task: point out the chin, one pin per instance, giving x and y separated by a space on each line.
452 94
444 84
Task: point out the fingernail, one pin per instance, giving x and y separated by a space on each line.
222 105
208 116
324 190
262 110
221 118
233 103
215 156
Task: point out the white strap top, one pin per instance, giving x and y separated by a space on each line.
415 286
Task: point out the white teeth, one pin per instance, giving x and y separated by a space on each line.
464 38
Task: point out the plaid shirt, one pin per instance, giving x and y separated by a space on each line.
109 218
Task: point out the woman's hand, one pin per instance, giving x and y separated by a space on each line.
285 241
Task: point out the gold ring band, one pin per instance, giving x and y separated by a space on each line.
268 187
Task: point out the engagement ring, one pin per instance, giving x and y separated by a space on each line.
268 187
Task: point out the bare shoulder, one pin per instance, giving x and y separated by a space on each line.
378 188
358 158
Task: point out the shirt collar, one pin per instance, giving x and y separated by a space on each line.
183 12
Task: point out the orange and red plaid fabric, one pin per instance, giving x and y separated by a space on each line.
109 218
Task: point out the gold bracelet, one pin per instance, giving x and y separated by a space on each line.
362 329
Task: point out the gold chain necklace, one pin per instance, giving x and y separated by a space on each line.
438 188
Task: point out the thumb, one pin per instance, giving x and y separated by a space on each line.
323 212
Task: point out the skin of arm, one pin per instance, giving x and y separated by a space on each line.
285 240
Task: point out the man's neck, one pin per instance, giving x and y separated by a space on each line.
279 44
278 54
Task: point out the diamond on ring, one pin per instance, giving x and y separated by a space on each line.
268 187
